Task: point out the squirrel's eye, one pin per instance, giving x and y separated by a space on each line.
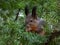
31 21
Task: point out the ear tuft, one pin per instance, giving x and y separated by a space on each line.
34 12
26 10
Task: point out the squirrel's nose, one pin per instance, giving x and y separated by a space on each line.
28 28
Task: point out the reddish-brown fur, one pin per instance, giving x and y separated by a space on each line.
33 22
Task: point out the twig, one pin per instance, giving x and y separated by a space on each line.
17 15
52 36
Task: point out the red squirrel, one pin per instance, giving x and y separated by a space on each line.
33 22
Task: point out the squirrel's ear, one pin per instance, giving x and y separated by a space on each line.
26 10
34 12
